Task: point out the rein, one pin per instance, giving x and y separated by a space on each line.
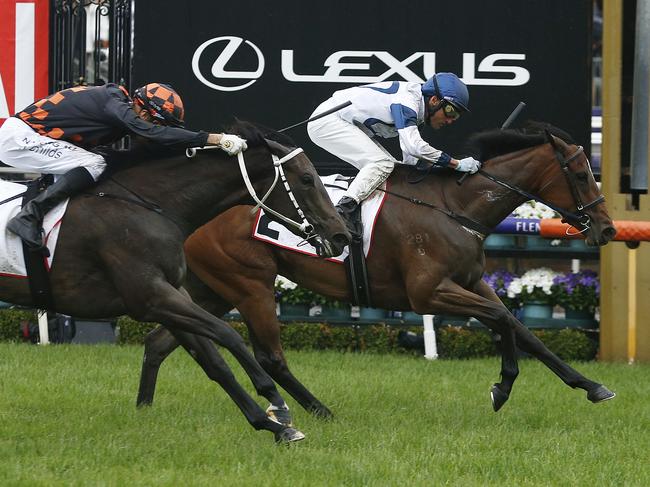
304 226
580 217
463 220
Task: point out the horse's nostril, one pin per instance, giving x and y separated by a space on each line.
341 239
609 233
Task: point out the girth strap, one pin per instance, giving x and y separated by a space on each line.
355 266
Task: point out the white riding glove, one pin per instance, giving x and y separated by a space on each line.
232 144
468 164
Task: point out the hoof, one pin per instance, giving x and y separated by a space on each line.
289 435
600 394
498 397
282 416
321 412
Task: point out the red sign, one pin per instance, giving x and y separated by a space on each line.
24 40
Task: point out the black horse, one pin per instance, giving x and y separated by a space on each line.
123 253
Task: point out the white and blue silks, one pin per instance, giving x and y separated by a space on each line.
387 109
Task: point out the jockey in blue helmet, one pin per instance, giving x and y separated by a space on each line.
388 109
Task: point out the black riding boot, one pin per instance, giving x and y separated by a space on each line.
348 209
27 224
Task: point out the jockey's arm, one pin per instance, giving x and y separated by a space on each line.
410 140
412 144
171 136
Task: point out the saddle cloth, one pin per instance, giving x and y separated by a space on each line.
12 261
266 230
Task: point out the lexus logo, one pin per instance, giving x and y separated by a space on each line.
211 59
229 47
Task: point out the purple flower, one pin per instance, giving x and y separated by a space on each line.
499 280
577 290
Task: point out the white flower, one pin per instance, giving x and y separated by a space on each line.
284 284
534 209
540 278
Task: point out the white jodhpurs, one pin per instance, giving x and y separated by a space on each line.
350 143
23 148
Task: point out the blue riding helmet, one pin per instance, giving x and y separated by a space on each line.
447 86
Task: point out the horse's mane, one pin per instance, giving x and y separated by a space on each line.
257 134
491 143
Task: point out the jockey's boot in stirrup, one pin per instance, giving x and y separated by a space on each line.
348 209
27 223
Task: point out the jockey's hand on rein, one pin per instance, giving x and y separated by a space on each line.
468 164
232 144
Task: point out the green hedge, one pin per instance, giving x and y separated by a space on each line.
11 321
458 342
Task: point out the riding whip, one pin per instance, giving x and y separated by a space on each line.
320 115
511 118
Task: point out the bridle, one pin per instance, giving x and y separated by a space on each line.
580 216
304 226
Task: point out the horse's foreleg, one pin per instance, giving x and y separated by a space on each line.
532 345
158 344
451 298
172 308
207 356
265 336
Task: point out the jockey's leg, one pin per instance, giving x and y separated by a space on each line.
350 143
25 149
27 223
370 177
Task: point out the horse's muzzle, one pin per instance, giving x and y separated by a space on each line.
601 237
330 247
607 234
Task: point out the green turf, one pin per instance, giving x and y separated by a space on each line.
67 417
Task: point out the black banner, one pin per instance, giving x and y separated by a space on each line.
275 62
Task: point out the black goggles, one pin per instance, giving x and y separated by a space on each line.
450 111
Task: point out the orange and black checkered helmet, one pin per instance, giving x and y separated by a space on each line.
162 102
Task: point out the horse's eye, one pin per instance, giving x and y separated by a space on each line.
582 177
308 179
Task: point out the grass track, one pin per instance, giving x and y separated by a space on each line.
67 417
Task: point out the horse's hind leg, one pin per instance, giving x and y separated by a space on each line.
158 344
207 356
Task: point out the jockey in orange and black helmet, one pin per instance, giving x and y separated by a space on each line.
51 136
162 102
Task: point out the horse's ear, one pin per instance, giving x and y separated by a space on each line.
550 139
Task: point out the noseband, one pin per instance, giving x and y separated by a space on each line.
304 226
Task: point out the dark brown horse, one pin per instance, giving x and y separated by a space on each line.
123 253
425 257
